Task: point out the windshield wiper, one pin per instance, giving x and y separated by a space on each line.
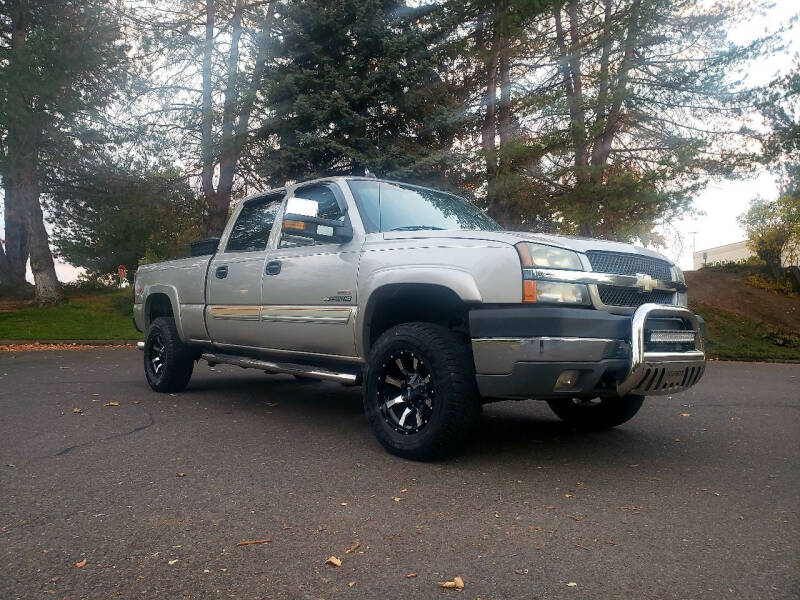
417 228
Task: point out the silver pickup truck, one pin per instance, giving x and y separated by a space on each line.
424 301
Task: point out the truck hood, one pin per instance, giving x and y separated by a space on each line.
577 244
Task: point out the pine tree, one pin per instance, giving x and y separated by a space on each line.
61 62
357 87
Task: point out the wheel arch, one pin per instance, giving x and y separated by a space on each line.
403 302
162 301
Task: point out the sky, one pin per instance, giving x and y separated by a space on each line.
720 202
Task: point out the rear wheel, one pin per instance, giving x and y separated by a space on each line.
168 362
597 413
420 394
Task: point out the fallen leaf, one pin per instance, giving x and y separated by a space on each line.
253 542
521 571
567 495
173 561
574 517
456 584
180 474
112 403
396 499
404 490
333 561
351 584
572 584
76 410
686 414
355 546
410 575
134 401
343 504
81 564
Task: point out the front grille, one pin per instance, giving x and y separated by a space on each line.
629 264
625 296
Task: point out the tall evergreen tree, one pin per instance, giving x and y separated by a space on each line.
358 86
59 63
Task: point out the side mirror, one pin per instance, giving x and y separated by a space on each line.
321 230
301 220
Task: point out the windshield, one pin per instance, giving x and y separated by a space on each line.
394 207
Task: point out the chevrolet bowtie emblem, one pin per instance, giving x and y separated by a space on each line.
645 283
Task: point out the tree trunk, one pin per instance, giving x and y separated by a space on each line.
489 128
217 213
504 108
22 157
23 163
48 289
16 243
602 97
612 123
207 127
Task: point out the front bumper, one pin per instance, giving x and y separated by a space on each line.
520 352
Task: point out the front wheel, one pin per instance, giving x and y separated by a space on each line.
420 394
597 413
168 362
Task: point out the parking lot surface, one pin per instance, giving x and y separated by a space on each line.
696 497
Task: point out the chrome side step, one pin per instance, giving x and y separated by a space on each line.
274 367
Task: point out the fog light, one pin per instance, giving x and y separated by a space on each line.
567 380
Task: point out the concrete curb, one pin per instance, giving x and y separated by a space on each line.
76 342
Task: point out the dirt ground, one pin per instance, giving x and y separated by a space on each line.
730 291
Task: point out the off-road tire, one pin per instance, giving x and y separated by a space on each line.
176 360
456 407
605 414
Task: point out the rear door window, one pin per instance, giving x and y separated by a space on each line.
251 230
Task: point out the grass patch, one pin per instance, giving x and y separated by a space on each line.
98 316
731 336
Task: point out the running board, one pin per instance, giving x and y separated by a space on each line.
289 368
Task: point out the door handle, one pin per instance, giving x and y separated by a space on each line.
273 267
222 272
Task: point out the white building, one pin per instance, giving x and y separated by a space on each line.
735 252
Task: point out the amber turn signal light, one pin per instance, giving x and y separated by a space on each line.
528 290
296 225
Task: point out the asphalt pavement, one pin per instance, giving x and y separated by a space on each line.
696 497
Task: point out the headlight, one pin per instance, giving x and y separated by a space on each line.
554 292
539 255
